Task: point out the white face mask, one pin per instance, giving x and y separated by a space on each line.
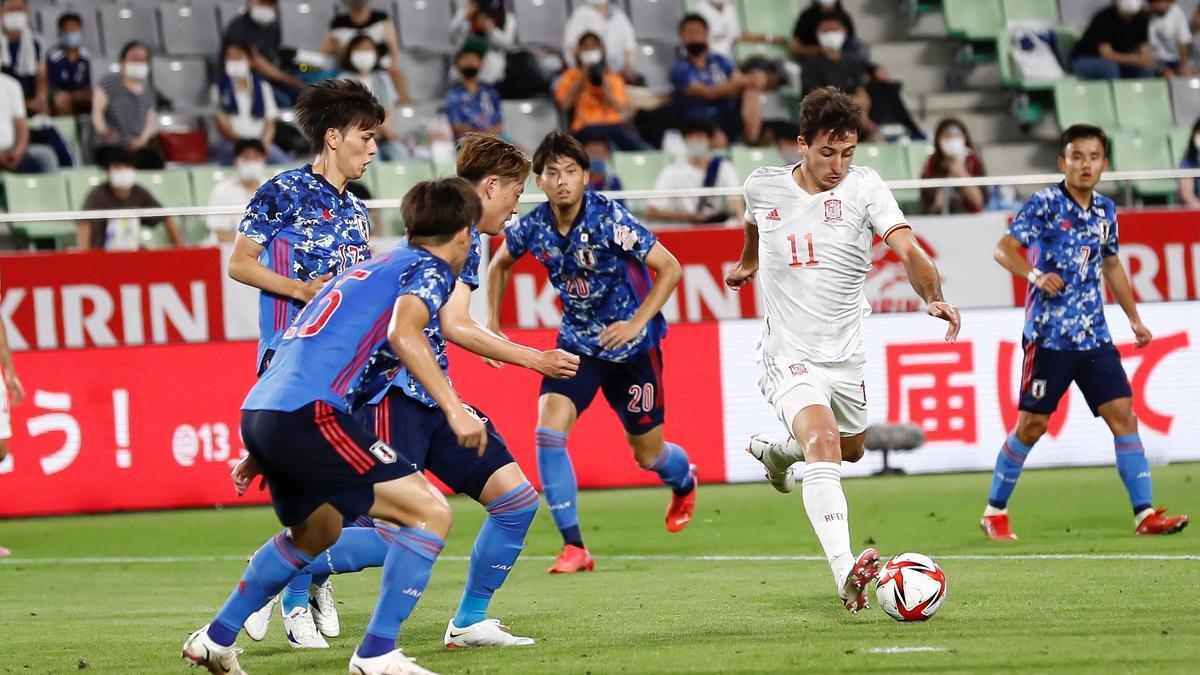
954 146
832 40
591 57
364 62
137 70
696 148
15 22
237 69
263 16
122 179
251 170
1129 6
1196 142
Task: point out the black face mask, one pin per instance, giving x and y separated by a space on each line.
469 73
696 48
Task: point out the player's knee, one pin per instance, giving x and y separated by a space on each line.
434 515
1122 425
823 446
1030 431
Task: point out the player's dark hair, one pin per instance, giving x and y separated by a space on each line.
483 155
436 210
69 16
1077 132
558 145
831 110
243 144
698 125
689 18
340 104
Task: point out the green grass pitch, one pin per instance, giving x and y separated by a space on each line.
741 590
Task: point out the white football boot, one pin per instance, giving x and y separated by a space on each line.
391 663
486 633
324 609
200 650
301 631
257 623
777 457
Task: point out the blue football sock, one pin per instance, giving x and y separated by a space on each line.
406 572
674 469
358 548
296 593
270 569
1008 469
558 483
1135 471
496 549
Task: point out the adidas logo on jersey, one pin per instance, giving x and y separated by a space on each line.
774 215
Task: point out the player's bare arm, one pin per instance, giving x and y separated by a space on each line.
923 276
407 337
747 266
15 391
667 273
245 267
1008 254
1118 282
460 328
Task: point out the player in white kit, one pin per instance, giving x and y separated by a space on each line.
809 229
10 388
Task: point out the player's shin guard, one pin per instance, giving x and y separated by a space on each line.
674 469
825 504
358 548
496 549
270 569
406 572
1135 471
1008 469
558 483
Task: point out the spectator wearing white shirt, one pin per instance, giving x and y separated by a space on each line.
1170 38
250 160
244 107
699 168
16 154
614 28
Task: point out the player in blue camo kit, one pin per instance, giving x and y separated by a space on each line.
597 256
1070 236
322 466
300 229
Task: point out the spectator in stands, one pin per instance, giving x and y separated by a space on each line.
250 158
1170 38
699 168
1189 188
22 54
725 28
470 104
120 191
594 97
953 157
123 108
16 154
259 28
605 19
786 135
708 86
362 19
69 69
831 66
243 107
488 24
361 62
602 177
1115 44
804 41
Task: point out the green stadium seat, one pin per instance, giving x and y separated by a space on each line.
393 180
639 171
1078 102
80 183
746 160
892 163
746 50
1031 10
1011 78
1143 104
69 129
204 178
171 187
1180 139
1144 151
973 20
28 193
773 17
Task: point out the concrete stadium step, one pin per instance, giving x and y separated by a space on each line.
951 102
985 127
920 64
1008 159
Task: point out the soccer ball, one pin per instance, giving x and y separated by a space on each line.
911 587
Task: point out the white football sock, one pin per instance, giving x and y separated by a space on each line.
825 504
990 510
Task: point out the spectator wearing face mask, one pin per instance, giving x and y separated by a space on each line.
594 97
472 105
69 69
1115 44
1170 38
21 56
123 108
601 176
250 161
953 157
16 154
697 169
605 19
244 106
361 62
258 27
1189 188
489 23
120 191
804 34
361 19
831 66
707 86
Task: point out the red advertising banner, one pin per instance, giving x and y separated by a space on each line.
101 299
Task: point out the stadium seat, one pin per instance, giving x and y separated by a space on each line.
1084 103
973 20
1143 151
204 178
656 20
47 18
746 160
1011 77
1185 100
80 182
917 155
1143 104
28 193
654 62
540 22
527 122
124 23
1031 10
183 81
303 23
393 180
639 171
425 75
892 163
424 25
68 126
1180 139
1080 12
769 16
171 187
227 11
190 29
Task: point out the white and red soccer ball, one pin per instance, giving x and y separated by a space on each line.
911 587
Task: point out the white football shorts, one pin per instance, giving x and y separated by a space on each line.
791 384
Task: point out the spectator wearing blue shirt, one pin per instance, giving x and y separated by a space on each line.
472 105
22 57
708 86
1189 188
602 176
70 69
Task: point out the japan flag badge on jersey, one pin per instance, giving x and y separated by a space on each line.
833 210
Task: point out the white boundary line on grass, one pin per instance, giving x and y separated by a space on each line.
166 560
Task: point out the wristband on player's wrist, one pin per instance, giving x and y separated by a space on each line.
1034 275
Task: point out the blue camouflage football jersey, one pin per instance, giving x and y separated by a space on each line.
307 229
598 269
337 349
1064 238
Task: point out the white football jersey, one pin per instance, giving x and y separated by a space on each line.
814 252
